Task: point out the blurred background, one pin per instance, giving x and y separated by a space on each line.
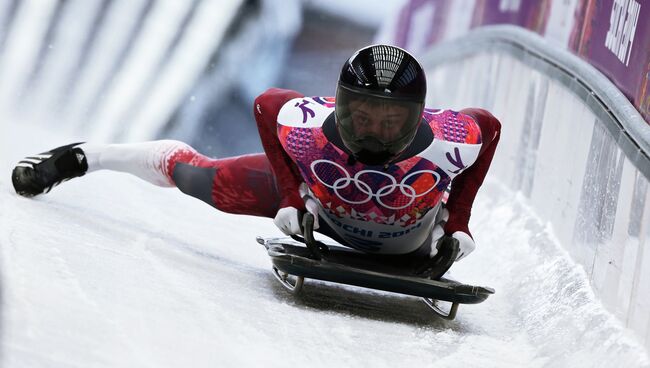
133 70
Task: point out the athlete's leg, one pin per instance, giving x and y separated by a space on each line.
146 160
240 185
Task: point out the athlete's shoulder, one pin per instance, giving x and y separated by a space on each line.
306 112
489 125
478 113
457 140
272 100
453 126
278 95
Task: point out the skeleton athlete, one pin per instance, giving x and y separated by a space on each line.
372 164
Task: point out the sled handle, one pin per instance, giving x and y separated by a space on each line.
314 246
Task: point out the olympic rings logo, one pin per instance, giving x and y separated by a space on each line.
344 181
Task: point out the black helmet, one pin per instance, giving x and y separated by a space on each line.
379 102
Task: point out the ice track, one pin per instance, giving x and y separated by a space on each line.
109 271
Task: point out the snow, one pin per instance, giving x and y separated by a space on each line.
109 271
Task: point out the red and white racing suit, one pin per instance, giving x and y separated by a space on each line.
381 209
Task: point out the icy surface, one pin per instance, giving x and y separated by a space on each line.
109 271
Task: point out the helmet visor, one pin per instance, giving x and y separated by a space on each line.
375 123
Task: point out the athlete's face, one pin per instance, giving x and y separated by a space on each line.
383 121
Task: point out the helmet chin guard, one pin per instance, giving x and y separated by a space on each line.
379 103
373 158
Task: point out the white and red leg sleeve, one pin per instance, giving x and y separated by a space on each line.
150 161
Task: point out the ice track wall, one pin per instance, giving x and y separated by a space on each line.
571 143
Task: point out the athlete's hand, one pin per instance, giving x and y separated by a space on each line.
466 244
289 219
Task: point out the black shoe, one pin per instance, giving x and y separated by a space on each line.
40 173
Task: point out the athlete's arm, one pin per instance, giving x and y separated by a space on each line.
266 109
465 186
